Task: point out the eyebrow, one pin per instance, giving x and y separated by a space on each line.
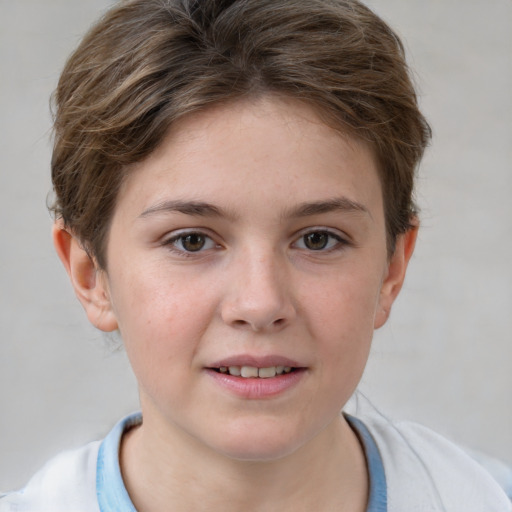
195 208
335 204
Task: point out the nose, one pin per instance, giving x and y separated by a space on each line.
259 294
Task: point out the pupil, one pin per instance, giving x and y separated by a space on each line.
193 242
316 241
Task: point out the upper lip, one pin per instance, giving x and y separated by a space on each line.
256 361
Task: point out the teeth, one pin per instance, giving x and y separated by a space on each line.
265 373
252 371
235 370
249 371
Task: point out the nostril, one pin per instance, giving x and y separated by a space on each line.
279 322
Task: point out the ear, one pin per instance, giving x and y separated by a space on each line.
89 282
395 275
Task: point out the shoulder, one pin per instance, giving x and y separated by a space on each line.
66 483
427 473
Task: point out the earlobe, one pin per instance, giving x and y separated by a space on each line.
89 282
395 275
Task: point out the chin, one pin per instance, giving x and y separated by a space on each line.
258 442
258 452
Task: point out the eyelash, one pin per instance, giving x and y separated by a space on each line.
339 241
172 243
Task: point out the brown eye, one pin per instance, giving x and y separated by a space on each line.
193 242
187 243
316 241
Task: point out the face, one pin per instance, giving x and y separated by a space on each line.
251 242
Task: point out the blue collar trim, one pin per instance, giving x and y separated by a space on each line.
378 496
110 490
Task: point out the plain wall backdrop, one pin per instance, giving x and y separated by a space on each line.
444 359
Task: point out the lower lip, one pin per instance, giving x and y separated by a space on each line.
258 388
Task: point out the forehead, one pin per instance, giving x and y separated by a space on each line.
271 146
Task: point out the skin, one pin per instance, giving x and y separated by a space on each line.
255 288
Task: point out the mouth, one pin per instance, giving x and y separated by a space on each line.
257 377
254 372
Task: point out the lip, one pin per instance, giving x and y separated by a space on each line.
257 361
257 388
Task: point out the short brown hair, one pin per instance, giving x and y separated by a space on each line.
147 63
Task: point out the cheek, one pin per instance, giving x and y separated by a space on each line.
341 316
161 322
344 303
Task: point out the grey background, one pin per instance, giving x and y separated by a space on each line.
444 359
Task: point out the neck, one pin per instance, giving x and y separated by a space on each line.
162 472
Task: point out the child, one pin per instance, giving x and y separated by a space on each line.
234 195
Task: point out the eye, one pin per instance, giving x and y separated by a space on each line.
319 241
191 242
